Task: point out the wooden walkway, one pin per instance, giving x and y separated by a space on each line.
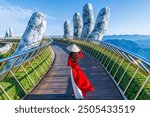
57 85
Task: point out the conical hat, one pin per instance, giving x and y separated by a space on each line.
73 48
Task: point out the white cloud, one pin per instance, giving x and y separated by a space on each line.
15 17
15 12
51 17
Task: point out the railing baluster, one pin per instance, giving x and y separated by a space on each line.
27 75
118 68
18 82
104 56
89 48
5 92
110 61
46 57
84 47
38 65
142 87
124 73
34 70
7 72
52 52
118 57
96 52
10 71
114 64
101 53
47 54
23 67
27 58
107 58
42 60
130 81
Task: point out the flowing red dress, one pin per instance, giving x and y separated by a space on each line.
80 78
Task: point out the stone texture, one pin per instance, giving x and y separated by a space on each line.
32 36
4 48
88 20
34 32
101 24
67 29
7 34
77 22
11 33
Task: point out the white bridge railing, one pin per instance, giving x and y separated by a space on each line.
29 71
108 56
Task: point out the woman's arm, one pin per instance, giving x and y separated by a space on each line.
80 55
69 61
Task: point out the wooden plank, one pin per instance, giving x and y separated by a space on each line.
57 85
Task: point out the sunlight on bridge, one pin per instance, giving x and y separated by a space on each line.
112 76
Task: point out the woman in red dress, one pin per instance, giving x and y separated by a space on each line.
80 83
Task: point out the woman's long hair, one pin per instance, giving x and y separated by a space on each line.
74 56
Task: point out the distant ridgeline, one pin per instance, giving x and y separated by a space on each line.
85 28
137 44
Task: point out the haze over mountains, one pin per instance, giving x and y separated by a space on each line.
137 44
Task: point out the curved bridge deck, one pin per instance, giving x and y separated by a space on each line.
57 85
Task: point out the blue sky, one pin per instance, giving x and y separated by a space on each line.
127 16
